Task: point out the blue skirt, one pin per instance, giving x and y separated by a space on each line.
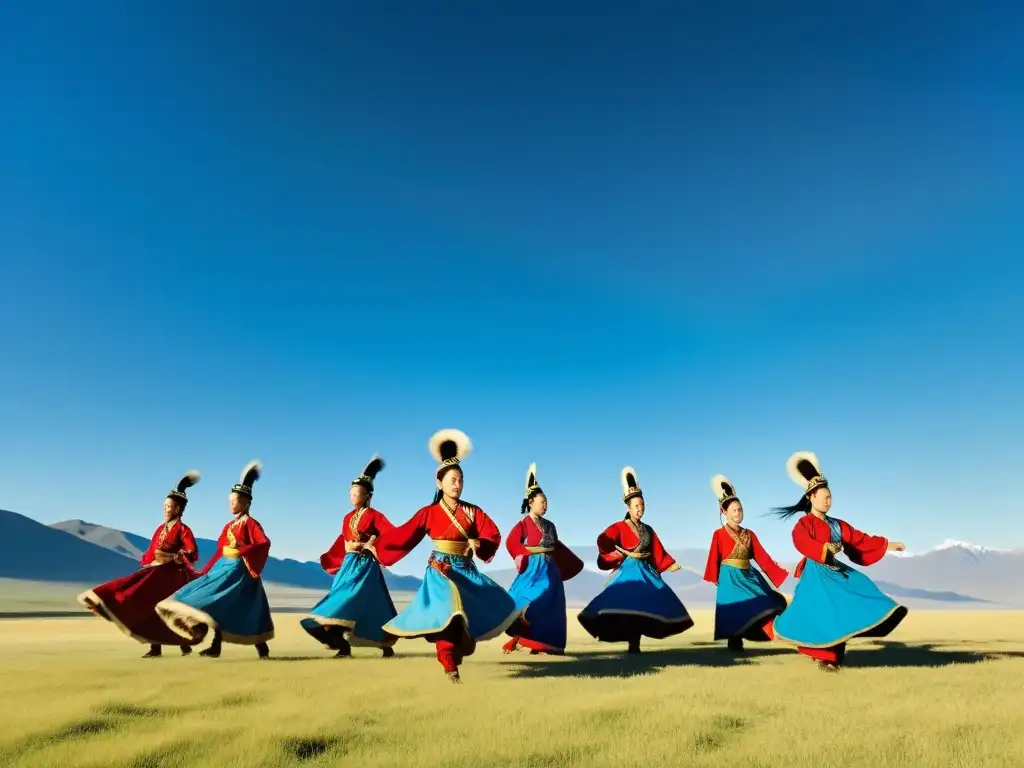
830 607
462 593
359 602
743 603
227 599
635 602
539 591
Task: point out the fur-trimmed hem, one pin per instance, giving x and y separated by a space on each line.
184 620
92 601
859 633
353 639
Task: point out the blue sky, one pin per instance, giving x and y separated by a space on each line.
692 241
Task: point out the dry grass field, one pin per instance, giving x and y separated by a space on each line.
946 690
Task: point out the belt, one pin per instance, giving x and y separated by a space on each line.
736 563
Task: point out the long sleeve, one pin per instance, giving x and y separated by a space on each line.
862 548
256 551
568 564
806 544
150 554
380 523
222 542
660 559
487 534
397 542
515 543
775 572
608 557
331 560
189 548
714 561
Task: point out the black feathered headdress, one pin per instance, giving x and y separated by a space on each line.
375 465
250 475
532 489
177 493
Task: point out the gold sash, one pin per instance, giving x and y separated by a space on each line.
737 563
229 551
160 557
540 550
450 547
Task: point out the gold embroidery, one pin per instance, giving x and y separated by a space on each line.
742 546
353 523
455 521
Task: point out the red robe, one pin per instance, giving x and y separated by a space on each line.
470 522
246 535
722 546
811 537
527 533
130 601
359 525
623 535
433 521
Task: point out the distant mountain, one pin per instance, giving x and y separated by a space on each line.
32 551
953 575
287 572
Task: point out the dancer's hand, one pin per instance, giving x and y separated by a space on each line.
835 548
896 546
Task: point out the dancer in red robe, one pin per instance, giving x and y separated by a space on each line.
745 605
167 565
456 605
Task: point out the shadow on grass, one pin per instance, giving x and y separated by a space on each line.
620 664
892 653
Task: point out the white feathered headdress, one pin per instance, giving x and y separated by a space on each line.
805 471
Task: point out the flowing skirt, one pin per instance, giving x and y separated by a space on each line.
539 592
635 602
744 603
227 598
358 601
830 607
454 590
129 602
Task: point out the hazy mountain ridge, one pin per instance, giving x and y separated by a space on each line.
953 575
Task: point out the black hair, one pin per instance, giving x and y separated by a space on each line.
802 506
526 502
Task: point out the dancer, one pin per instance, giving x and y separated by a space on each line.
543 563
456 606
832 602
636 601
228 597
745 606
358 604
128 602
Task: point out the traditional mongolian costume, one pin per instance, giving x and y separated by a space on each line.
832 602
636 601
456 606
228 597
543 563
745 605
128 602
358 604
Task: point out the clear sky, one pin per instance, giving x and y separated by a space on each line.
692 240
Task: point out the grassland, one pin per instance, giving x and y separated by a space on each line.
947 690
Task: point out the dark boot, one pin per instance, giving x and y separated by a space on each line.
736 644
154 652
213 652
263 650
344 648
185 649
387 653
634 646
